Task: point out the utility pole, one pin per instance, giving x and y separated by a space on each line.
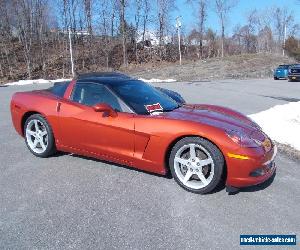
178 26
71 52
284 38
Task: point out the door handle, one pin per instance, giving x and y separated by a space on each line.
58 106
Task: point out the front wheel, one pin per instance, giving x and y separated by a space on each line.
196 164
39 136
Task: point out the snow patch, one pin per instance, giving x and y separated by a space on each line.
281 123
37 81
154 80
41 81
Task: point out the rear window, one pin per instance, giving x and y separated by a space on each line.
59 88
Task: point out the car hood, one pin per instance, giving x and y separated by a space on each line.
216 116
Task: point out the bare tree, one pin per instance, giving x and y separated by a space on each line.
260 23
202 18
265 39
145 16
164 8
107 14
122 17
88 15
23 10
137 20
248 39
294 30
222 9
212 40
5 38
283 19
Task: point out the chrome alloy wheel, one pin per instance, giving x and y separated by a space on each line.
194 166
37 136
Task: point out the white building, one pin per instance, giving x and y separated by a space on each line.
153 37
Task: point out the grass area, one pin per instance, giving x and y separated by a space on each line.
244 66
238 67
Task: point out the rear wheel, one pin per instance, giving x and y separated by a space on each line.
275 78
196 164
39 136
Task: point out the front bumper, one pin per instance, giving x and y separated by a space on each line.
294 78
240 172
281 75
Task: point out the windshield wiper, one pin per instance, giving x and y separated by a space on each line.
169 110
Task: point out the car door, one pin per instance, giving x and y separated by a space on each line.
95 133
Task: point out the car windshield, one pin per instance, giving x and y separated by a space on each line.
143 98
283 67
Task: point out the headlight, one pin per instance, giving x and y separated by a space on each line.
242 139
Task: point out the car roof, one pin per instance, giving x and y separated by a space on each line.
106 78
103 75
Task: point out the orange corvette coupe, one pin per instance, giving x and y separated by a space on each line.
116 118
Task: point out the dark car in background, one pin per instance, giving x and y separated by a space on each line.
294 72
281 72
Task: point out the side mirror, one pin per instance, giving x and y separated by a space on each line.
107 109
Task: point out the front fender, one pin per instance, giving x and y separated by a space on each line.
155 141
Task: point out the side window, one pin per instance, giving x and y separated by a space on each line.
90 94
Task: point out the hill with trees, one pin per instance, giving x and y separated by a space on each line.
114 34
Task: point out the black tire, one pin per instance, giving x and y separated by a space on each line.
216 155
50 148
275 78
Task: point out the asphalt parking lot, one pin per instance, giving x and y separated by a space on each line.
69 202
